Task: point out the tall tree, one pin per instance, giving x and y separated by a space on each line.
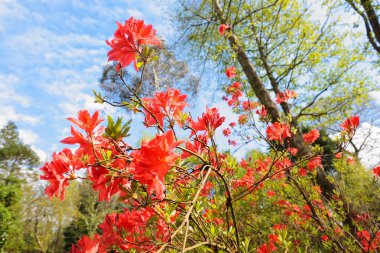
90 213
279 46
368 10
14 154
15 159
166 71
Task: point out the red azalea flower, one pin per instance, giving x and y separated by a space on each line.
86 122
128 41
249 105
302 172
234 87
270 193
168 104
279 227
325 238
242 119
273 238
232 143
59 171
369 243
209 121
351 124
264 248
87 245
154 160
125 231
198 146
314 163
231 72
351 161
106 183
278 131
226 132
376 171
285 96
223 28
293 151
262 112
311 136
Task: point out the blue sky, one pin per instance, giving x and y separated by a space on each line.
51 56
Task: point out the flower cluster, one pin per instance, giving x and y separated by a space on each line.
179 190
128 41
163 105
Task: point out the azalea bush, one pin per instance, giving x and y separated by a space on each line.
182 192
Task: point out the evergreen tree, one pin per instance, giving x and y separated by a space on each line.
15 159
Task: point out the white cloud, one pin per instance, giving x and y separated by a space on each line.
41 154
41 46
84 101
376 96
7 92
28 136
31 138
11 8
9 113
135 13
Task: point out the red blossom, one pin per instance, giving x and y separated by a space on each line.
168 104
198 146
350 124
86 245
262 112
285 96
351 161
324 238
234 87
236 95
154 160
92 138
209 121
270 193
302 172
86 122
127 230
242 119
232 143
59 171
314 163
273 238
222 28
376 171
279 227
311 136
108 184
128 41
226 132
249 105
231 72
293 151
369 243
363 216
264 248
278 131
